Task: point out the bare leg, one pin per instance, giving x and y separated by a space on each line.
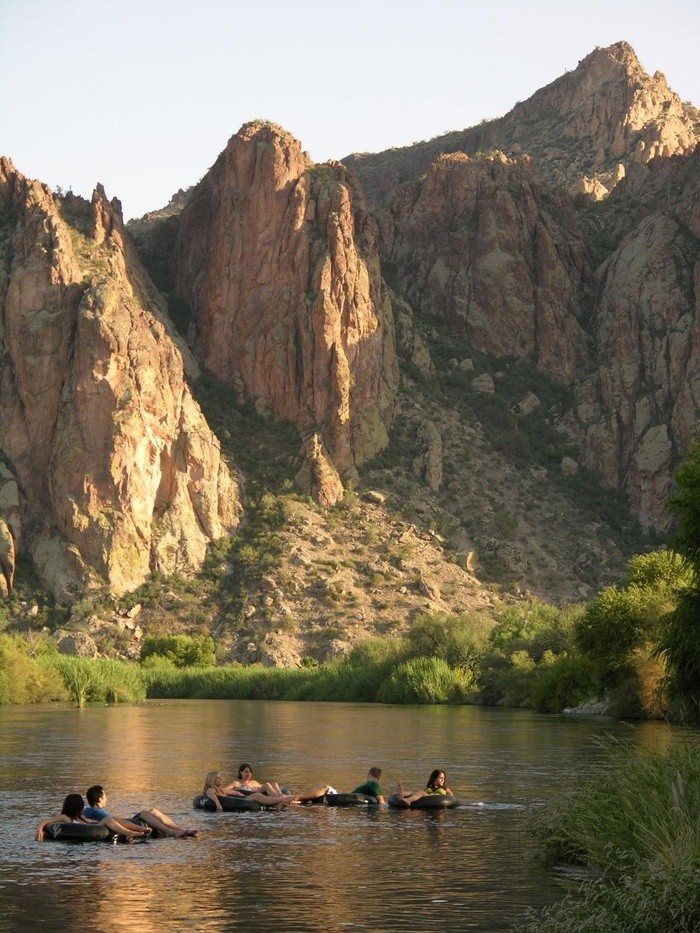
163 824
408 796
121 828
313 793
270 800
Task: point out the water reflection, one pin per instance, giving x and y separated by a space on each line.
311 868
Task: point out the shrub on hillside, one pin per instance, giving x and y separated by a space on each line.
180 650
459 639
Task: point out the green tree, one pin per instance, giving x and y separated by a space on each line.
680 640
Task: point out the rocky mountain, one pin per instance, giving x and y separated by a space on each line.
509 233
109 469
492 337
583 131
277 259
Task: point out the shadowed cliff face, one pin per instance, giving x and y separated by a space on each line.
116 472
604 300
636 414
279 262
483 245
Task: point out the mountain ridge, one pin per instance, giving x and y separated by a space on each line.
463 338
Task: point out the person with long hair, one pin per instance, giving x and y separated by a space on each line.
214 788
437 784
247 784
72 812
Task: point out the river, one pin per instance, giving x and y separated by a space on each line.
304 868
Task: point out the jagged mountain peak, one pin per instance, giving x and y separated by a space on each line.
583 130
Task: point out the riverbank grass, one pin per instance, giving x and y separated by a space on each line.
638 824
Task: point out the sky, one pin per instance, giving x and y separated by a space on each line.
142 95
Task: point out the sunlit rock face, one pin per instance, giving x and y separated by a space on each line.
116 472
279 262
493 231
584 131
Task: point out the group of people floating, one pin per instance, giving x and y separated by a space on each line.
267 794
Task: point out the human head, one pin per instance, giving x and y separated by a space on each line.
375 773
434 775
210 779
73 806
94 794
242 768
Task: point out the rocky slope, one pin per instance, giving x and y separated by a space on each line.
277 259
110 470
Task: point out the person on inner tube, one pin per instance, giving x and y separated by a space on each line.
214 788
247 784
371 787
437 784
72 812
156 819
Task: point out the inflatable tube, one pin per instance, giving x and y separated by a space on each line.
350 800
78 832
202 802
429 802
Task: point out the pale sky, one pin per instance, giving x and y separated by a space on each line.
142 95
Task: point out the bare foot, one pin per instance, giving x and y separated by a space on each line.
184 833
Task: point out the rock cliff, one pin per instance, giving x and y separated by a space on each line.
278 260
636 411
110 470
566 233
484 245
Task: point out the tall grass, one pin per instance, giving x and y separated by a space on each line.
643 807
99 680
638 823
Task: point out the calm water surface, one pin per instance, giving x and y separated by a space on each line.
305 868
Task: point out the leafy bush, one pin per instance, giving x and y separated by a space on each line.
425 680
532 653
460 640
180 650
560 682
662 570
614 624
25 679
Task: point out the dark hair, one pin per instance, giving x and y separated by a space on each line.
376 772
94 793
242 768
73 806
434 776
